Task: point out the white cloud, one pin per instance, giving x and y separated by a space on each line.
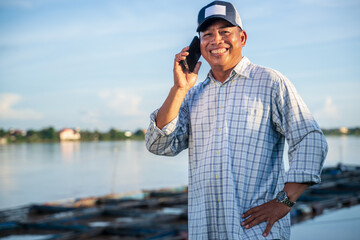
329 113
7 111
122 102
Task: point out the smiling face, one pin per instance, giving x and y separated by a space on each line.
221 44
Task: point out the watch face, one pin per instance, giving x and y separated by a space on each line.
281 196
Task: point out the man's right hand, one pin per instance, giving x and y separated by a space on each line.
183 81
182 78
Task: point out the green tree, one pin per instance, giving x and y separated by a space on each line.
116 135
139 133
2 133
33 136
49 134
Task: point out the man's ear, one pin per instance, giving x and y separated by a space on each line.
243 37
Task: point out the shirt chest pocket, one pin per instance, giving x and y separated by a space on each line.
247 116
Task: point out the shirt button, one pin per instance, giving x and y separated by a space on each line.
218 200
221 107
233 80
219 129
217 176
217 152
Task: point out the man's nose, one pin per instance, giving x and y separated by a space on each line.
217 38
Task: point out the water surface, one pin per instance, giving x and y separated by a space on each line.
42 172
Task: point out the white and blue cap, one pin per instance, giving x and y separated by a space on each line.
219 9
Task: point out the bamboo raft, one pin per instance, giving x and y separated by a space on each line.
158 214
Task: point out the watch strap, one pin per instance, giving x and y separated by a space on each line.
283 198
288 203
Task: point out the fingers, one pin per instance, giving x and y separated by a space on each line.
269 212
249 212
253 220
182 77
268 228
197 67
182 55
248 222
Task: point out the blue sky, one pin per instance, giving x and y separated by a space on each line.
102 64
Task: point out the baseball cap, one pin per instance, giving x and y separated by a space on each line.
219 9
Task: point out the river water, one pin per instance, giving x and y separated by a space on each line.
43 172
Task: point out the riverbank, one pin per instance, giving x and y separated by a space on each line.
50 135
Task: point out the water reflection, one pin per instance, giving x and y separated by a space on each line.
7 182
343 149
68 149
126 168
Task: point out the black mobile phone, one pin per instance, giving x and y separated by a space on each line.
194 55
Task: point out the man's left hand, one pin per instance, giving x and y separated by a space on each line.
269 212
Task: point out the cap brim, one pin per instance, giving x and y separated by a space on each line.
204 23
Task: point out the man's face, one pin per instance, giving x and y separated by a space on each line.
221 44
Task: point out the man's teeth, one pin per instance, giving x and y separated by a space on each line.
222 50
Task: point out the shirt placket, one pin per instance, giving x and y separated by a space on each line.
218 171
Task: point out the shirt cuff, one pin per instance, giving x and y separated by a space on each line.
299 176
167 129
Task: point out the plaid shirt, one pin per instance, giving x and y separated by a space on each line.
235 132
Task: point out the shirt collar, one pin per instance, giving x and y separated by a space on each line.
242 69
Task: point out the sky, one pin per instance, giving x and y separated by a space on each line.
101 64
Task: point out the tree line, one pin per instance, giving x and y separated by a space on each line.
50 134
342 131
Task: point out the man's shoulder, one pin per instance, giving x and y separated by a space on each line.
264 73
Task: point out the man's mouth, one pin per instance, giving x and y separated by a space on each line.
218 51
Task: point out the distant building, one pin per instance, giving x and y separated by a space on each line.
344 130
17 132
128 134
68 134
3 140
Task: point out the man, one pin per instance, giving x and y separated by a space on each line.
235 124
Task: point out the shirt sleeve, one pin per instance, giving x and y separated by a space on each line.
171 139
307 144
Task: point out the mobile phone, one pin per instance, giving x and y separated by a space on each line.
194 55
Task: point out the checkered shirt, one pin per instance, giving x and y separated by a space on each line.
235 132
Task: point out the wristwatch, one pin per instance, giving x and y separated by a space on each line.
283 198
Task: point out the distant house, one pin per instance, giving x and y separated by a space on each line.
3 140
344 130
67 134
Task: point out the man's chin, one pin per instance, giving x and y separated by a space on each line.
217 64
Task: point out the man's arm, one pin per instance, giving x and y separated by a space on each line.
307 152
272 211
183 82
167 134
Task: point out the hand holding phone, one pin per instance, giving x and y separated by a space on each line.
194 54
